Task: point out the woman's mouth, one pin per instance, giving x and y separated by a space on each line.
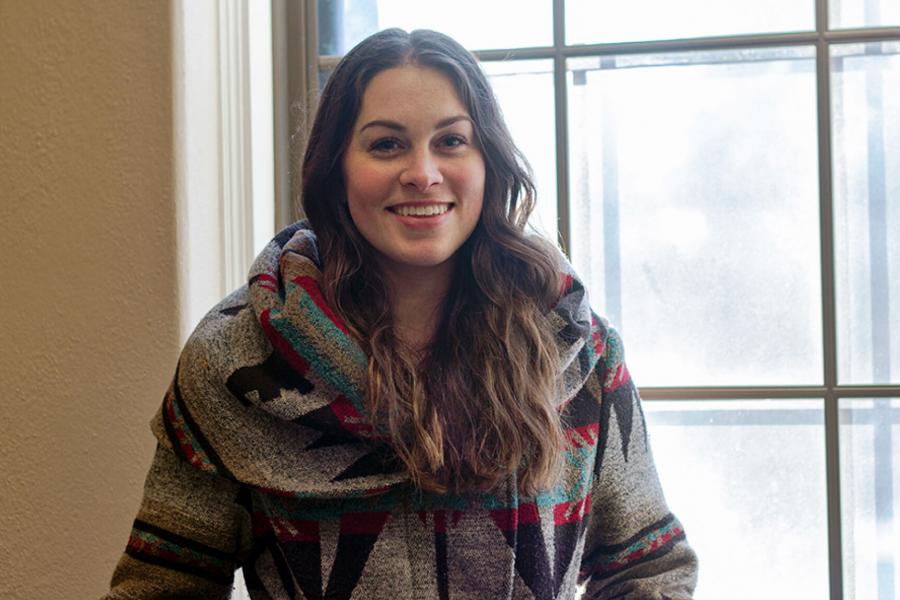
421 210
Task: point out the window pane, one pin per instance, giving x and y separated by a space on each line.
870 462
694 178
597 21
863 13
475 24
866 133
747 480
525 92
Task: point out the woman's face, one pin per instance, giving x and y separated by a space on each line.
413 171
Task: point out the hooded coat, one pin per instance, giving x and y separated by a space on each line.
267 460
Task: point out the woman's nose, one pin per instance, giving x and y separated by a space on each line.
422 171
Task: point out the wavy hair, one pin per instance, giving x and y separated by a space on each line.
480 405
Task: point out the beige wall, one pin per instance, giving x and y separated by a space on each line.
88 282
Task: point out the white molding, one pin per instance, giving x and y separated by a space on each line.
262 121
213 152
235 152
195 58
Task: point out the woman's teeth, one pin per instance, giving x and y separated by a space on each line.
421 211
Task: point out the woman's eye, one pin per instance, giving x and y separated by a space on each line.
452 141
385 145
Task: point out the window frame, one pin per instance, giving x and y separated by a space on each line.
297 67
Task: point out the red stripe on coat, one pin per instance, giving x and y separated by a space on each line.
571 512
282 345
509 519
363 523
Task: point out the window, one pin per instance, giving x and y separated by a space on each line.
726 177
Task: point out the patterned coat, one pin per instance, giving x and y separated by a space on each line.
267 460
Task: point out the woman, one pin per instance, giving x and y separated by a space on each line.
411 398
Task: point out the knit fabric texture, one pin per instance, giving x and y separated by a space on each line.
269 461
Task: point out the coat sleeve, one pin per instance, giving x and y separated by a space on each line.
635 549
187 539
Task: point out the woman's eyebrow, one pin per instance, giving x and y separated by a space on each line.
398 127
451 120
383 123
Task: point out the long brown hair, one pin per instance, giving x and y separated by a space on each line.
481 404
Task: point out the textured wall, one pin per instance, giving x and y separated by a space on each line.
88 299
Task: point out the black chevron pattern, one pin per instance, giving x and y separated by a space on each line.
266 381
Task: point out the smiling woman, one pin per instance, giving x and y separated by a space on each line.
414 173
460 297
411 397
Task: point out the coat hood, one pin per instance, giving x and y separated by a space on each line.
269 389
